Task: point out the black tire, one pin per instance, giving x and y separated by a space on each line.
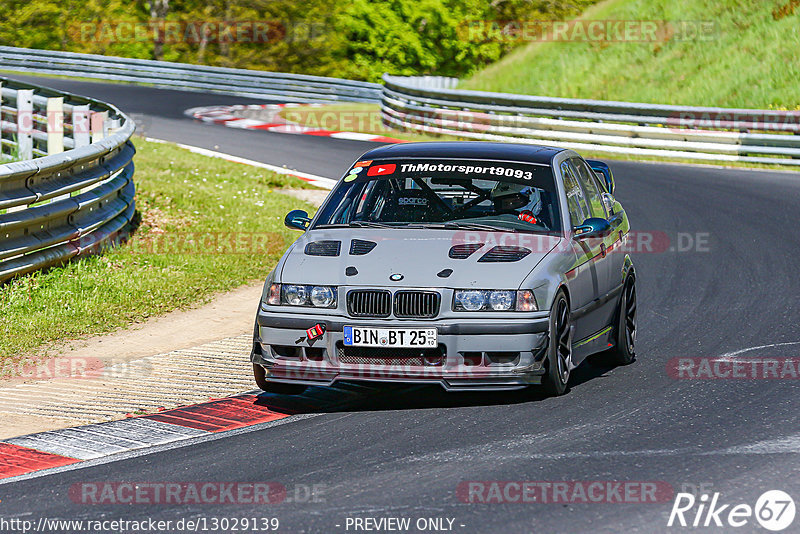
624 351
275 387
559 350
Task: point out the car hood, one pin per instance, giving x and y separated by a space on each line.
416 254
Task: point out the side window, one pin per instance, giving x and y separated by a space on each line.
576 201
588 180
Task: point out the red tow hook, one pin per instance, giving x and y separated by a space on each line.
315 331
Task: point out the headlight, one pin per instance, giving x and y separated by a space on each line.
295 295
502 300
302 295
470 300
322 296
494 300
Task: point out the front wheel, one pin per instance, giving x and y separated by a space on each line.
559 352
624 350
275 387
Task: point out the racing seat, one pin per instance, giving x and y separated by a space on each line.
410 205
545 216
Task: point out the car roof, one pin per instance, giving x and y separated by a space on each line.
467 150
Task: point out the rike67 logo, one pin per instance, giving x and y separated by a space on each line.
774 510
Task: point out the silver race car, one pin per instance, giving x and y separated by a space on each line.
477 266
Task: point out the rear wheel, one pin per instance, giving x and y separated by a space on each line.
559 352
275 387
624 350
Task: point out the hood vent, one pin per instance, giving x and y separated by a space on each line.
359 247
505 254
323 248
462 252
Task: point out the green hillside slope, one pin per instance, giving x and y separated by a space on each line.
748 57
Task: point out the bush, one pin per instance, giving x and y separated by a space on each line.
360 39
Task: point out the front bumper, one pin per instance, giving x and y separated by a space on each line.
476 353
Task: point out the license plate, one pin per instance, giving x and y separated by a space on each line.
357 336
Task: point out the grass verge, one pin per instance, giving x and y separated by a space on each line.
11 153
746 59
207 225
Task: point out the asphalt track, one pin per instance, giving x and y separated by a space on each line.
404 452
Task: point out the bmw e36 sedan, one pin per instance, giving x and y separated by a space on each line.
476 266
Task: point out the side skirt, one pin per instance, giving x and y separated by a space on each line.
596 342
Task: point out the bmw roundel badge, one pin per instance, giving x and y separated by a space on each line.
396 277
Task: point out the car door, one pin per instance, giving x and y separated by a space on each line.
604 261
583 277
620 227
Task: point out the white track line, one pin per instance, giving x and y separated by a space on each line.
732 355
319 181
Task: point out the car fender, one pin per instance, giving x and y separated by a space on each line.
627 268
550 275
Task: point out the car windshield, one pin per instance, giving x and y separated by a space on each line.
449 194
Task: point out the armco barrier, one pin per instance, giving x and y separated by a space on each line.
183 76
63 203
715 134
432 104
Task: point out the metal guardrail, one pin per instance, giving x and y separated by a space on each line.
183 76
62 204
430 104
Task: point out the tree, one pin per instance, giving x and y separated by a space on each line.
158 13
359 39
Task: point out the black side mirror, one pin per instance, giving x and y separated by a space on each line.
592 227
297 220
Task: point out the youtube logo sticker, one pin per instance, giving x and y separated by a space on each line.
381 170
